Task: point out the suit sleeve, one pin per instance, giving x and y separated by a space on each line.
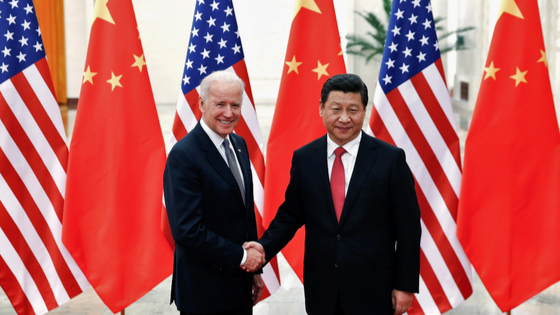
406 217
288 219
183 200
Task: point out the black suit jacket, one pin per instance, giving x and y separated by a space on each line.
209 223
375 247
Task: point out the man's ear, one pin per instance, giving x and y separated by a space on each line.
201 104
321 107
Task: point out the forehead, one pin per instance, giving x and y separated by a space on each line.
339 97
227 90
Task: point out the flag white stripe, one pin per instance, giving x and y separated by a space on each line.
439 88
33 240
270 279
29 125
445 278
426 301
431 134
47 99
420 172
20 272
258 190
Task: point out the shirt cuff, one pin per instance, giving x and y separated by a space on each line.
244 257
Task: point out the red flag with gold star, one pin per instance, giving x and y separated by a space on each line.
313 55
114 186
509 209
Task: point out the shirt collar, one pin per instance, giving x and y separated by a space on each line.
216 138
350 147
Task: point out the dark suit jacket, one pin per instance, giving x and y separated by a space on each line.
209 223
355 259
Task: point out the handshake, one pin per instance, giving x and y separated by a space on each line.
255 256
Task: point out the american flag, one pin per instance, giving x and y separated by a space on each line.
36 271
214 45
412 110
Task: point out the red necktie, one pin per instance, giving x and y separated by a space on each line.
337 182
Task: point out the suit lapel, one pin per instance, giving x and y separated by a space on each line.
364 161
216 160
321 172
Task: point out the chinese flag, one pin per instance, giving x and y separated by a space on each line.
114 188
313 55
509 209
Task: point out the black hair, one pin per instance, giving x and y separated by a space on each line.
347 83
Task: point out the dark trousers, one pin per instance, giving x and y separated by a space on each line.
245 308
338 310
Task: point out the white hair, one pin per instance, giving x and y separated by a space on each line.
219 76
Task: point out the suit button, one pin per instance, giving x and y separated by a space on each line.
338 237
335 265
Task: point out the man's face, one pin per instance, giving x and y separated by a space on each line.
343 116
222 110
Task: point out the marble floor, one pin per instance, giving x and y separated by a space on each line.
289 299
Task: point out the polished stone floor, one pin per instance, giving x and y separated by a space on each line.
289 299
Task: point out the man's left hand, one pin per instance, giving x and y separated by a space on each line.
258 286
401 301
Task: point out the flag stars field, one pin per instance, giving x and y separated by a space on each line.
293 65
88 75
491 71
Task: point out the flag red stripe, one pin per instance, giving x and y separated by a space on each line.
424 150
438 116
415 308
43 68
439 66
192 99
433 284
41 117
22 248
41 226
32 156
378 127
179 130
13 290
241 70
446 250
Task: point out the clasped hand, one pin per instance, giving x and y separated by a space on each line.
255 256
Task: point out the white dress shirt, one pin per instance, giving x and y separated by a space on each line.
348 158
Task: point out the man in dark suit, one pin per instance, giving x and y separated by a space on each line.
359 208
209 198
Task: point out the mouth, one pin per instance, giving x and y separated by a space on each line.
225 122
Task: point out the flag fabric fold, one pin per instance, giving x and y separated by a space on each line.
509 210
412 110
313 55
215 44
114 188
37 273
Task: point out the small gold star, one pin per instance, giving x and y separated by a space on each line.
101 11
88 76
341 50
321 70
509 6
491 71
308 4
293 65
543 58
139 62
114 81
519 77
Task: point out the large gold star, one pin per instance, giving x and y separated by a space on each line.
509 6
88 76
114 81
101 11
321 70
139 62
543 58
519 77
308 4
293 65
491 71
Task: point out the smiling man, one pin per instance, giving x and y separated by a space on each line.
355 195
209 198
